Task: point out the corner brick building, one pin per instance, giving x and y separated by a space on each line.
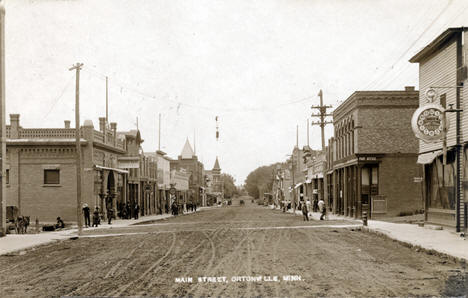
374 155
41 172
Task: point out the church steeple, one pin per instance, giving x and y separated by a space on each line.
216 165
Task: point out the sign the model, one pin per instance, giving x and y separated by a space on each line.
428 123
172 191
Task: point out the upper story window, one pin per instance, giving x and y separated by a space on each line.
443 100
52 176
7 176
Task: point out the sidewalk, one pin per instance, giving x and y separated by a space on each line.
443 241
14 242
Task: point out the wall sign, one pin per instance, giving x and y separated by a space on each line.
427 123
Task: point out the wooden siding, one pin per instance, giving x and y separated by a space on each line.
440 70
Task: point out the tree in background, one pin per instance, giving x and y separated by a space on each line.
260 180
230 188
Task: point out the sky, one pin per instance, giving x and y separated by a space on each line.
257 65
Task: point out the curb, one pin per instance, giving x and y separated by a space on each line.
416 247
19 251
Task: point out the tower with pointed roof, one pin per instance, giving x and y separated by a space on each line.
189 161
187 151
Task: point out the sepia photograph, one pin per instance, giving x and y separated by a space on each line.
233 148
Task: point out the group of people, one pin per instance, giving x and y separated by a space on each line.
125 213
87 216
178 208
320 207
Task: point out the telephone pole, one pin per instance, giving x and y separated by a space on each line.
77 68
2 124
322 114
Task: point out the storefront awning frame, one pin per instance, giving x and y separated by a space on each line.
427 158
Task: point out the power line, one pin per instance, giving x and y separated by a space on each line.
178 104
377 81
58 98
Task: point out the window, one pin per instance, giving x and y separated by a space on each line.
7 176
443 100
51 176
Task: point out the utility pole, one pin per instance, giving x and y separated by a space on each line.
293 169
297 136
107 101
2 123
159 135
77 68
322 114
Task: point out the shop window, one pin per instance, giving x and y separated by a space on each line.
374 181
52 176
365 181
369 183
441 184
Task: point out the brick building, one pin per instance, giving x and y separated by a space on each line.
374 154
189 161
180 181
215 185
442 68
41 171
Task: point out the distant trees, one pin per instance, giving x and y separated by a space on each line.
230 189
260 180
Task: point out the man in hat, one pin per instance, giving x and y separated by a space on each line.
86 213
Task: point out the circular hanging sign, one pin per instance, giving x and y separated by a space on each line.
172 191
427 123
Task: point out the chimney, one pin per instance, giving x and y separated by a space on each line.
113 126
409 88
102 124
14 126
67 123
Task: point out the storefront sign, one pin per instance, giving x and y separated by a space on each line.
418 179
172 191
129 163
427 123
367 158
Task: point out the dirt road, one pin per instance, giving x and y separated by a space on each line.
234 251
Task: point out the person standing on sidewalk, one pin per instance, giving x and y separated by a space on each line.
96 217
110 215
137 210
322 209
305 212
86 213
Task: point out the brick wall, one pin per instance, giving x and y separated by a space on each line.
396 174
385 130
27 190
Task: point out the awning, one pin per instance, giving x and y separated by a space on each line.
111 169
299 184
317 176
308 181
427 158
